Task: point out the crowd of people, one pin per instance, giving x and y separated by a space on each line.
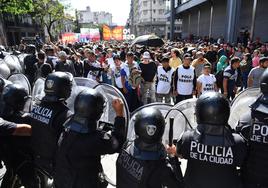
170 74
67 146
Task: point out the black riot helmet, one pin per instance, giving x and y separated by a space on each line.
2 85
14 97
264 82
261 104
58 86
149 125
88 106
212 108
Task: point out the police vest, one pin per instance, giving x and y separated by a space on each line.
133 172
185 84
44 132
211 165
164 80
257 161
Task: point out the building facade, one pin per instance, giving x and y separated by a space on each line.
14 27
149 16
89 17
223 18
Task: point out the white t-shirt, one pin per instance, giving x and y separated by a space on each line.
110 62
164 80
208 82
117 77
185 84
94 74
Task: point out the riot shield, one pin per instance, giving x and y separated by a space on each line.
4 69
21 60
164 108
13 64
109 161
240 104
38 90
86 82
110 93
22 80
79 85
186 115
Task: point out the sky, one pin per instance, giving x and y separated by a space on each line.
119 8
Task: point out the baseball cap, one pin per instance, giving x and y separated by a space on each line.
146 55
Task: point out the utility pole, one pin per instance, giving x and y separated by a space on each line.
172 19
151 2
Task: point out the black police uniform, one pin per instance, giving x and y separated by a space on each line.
254 128
47 123
48 118
16 150
143 169
212 150
82 144
143 162
79 156
211 164
29 62
7 128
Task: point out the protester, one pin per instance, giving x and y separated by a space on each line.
175 60
116 73
64 65
148 72
256 58
245 67
222 64
230 76
131 78
198 63
256 73
206 82
164 81
185 80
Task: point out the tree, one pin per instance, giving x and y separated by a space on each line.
16 6
48 12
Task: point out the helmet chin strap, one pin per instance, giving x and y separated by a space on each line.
147 147
215 130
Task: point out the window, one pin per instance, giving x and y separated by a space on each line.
154 1
145 3
145 12
154 10
154 19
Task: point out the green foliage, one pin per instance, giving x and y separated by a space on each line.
48 12
16 6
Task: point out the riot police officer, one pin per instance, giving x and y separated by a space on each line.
212 150
48 117
14 98
29 62
81 145
254 128
16 151
143 162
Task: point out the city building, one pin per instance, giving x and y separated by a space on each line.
149 16
222 18
89 17
14 27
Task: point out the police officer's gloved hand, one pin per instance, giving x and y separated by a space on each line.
118 107
171 150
